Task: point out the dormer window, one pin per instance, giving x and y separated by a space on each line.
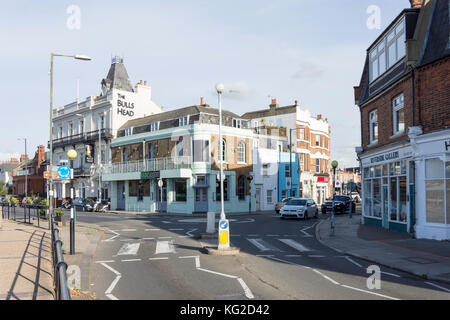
184 121
237 123
388 51
128 131
154 126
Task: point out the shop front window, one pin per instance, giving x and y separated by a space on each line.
435 184
376 198
403 200
180 190
393 197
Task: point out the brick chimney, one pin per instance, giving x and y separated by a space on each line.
416 3
274 104
319 117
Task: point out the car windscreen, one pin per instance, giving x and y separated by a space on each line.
89 201
342 198
295 202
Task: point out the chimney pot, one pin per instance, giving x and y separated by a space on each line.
296 102
416 3
145 83
202 101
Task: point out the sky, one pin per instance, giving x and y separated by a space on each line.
310 51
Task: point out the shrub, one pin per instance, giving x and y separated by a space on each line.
59 213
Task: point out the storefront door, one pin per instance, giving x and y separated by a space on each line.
120 196
385 212
201 200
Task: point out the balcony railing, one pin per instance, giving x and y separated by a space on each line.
148 165
82 137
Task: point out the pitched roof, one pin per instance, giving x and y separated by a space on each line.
177 113
437 41
270 112
117 77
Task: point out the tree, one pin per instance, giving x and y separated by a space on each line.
3 188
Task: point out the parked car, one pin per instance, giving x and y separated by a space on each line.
84 204
299 208
356 197
339 206
280 204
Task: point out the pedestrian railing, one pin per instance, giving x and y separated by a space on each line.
62 291
23 213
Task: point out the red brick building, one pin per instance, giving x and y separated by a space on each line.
35 177
404 100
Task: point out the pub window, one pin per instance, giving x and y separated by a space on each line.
398 114
241 187
180 190
201 150
225 189
241 151
133 188
373 126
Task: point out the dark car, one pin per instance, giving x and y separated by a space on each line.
339 206
346 199
84 204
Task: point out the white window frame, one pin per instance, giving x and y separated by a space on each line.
373 119
241 152
269 196
224 151
183 121
81 126
265 169
397 105
382 48
129 131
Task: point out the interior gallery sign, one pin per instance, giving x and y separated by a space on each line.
123 107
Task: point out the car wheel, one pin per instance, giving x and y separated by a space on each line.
282 217
305 217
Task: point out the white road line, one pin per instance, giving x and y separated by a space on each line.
435 285
370 292
189 232
127 240
253 235
184 236
152 229
104 261
127 230
186 257
165 237
292 255
161 258
148 238
218 273
129 249
175 229
164 247
129 260
262 245
111 239
315 256
166 222
391 274
325 276
294 244
264 255
247 291
354 262
113 284
235 235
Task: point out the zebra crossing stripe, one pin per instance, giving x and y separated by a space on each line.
164 247
294 244
129 249
262 245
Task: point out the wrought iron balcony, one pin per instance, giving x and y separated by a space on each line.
84 137
147 165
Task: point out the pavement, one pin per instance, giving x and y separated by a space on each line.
25 262
428 259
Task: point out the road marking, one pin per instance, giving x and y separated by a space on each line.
435 285
127 230
164 247
315 256
111 239
247 291
113 284
354 262
129 249
152 229
189 232
253 235
306 234
262 245
273 235
166 222
250 220
184 236
235 235
264 255
175 229
295 245
161 258
148 238
325 276
218 273
165 237
391 274
126 240
377 294
129 260
292 255
104 261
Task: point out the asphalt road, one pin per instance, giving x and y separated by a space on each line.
158 257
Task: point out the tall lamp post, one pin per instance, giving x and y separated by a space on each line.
334 164
26 166
52 55
72 154
224 231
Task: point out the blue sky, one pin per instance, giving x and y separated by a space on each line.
310 51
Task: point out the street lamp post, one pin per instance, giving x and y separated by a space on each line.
72 154
224 231
334 164
52 55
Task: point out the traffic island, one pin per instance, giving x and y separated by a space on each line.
214 251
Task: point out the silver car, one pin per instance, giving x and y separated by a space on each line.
280 204
299 208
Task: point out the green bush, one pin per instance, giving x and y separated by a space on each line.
59 213
44 202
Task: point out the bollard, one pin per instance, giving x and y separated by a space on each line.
211 220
